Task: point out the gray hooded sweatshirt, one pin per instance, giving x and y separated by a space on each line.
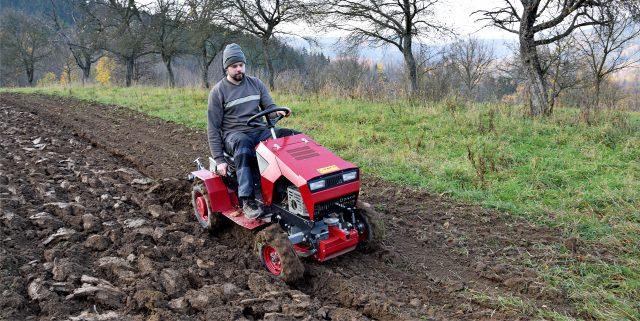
230 106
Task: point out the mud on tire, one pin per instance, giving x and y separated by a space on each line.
210 221
277 255
373 228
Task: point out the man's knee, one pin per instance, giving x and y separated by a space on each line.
243 149
239 144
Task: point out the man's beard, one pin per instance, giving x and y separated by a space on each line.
238 77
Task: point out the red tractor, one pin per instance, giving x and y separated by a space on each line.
309 196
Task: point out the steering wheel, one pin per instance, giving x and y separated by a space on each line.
265 113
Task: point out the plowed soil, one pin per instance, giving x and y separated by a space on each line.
96 224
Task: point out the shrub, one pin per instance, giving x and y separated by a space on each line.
47 79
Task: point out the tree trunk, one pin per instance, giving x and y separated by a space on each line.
205 76
204 68
267 61
30 71
68 72
554 94
536 81
411 68
167 63
129 75
598 88
86 70
469 86
409 59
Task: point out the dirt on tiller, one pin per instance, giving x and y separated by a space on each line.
96 224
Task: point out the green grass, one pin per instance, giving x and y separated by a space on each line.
557 171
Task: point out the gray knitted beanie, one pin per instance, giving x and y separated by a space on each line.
232 54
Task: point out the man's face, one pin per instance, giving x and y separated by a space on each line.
236 71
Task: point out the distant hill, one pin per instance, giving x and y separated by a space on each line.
330 46
43 7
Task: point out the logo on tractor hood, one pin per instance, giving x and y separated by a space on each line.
328 169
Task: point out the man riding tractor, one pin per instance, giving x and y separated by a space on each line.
299 197
232 102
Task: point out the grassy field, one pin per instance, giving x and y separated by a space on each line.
557 171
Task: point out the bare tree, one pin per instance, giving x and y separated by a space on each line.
346 72
315 72
562 62
166 33
633 7
206 38
81 38
124 31
604 48
398 23
25 41
538 23
427 57
261 18
471 59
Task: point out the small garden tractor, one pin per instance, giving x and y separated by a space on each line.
309 196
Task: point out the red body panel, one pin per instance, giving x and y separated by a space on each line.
337 244
224 200
237 217
305 155
220 198
300 159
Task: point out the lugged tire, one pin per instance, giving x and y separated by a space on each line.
292 269
374 227
214 220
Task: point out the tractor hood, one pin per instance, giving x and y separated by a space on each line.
305 157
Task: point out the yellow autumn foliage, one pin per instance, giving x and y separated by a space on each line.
63 76
47 79
104 69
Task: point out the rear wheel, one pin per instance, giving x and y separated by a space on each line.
202 208
277 255
370 228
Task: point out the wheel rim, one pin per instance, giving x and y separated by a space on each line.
201 206
272 260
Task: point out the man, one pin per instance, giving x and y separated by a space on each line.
232 101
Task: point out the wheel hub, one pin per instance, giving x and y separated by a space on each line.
201 205
272 260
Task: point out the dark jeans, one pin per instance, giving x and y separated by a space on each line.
243 148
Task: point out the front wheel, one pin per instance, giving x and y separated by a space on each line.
370 228
277 255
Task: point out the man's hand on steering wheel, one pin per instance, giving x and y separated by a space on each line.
283 113
221 169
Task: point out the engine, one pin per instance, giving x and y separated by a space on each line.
334 227
295 202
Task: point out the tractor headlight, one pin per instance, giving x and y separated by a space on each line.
314 186
335 179
349 176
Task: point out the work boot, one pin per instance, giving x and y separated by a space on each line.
251 208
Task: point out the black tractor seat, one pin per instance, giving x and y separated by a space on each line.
231 164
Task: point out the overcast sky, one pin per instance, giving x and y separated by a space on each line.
456 13
459 13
